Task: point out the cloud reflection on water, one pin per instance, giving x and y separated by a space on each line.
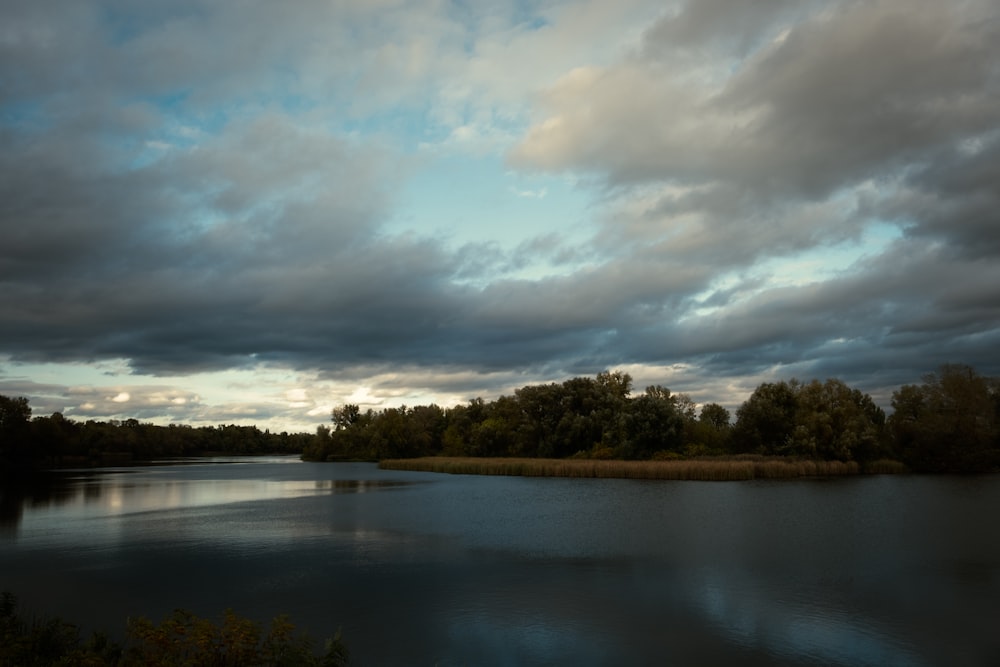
749 612
67 499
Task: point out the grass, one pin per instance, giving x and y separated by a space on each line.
718 469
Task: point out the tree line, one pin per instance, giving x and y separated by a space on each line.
950 422
55 441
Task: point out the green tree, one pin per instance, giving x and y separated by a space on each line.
949 423
458 427
650 423
615 386
320 445
589 412
710 433
834 421
345 416
541 408
715 416
766 421
15 418
425 426
55 436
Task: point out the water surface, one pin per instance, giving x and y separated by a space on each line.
426 569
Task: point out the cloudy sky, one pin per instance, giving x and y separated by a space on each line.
222 211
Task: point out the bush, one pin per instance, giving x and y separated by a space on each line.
180 639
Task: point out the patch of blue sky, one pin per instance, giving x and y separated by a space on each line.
426 130
465 200
827 260
64 374
408 128
23 116
295 103
181 127
822 262
188 117
168 103
524 14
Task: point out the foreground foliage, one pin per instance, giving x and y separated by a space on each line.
949 423
181 639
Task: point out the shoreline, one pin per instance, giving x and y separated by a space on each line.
724 469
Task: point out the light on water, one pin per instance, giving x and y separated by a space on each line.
419 568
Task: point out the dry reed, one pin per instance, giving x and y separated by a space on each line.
693 469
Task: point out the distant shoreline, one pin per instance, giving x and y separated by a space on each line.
715 469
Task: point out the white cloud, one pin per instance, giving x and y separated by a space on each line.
530 194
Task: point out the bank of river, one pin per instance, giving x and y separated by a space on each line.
717 469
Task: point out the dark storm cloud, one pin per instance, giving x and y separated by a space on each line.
718 24
832 118
869 87
142 223
956 198
892 318
836 97
176 191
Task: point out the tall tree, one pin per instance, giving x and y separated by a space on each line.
709 434
834 421
950 422
15 418
345 416
715 416
653 422
765 422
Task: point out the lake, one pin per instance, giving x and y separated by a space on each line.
428 569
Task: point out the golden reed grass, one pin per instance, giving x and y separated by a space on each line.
695 469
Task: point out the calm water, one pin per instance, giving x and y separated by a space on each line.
424 569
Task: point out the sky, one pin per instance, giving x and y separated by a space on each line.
221 211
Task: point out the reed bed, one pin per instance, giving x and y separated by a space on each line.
694 469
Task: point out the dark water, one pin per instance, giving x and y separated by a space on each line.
423 569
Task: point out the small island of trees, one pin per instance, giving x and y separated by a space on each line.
948 423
